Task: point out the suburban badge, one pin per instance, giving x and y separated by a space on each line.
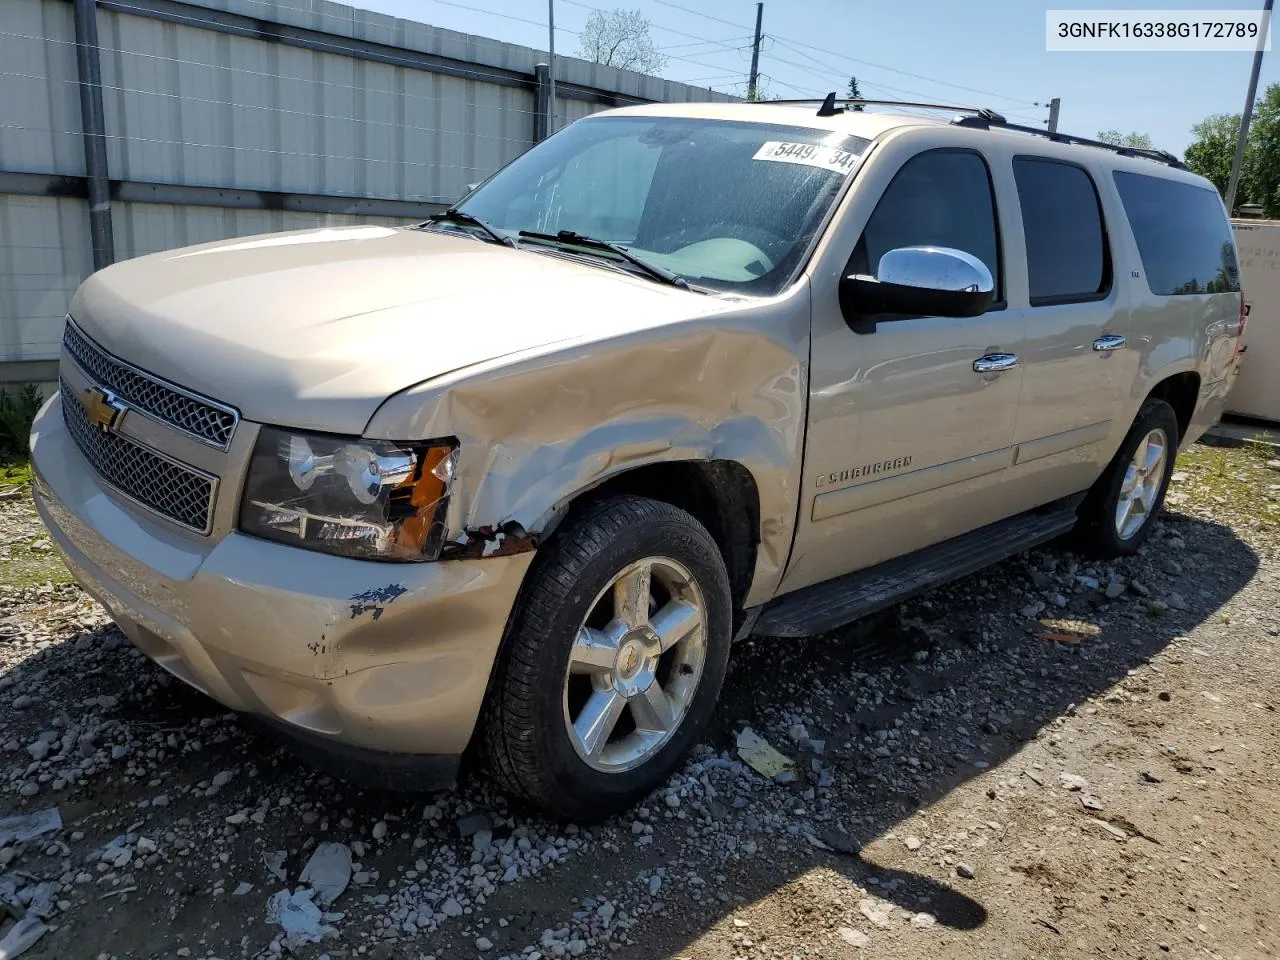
864 470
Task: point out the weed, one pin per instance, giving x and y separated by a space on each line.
17 410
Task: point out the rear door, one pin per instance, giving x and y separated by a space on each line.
1079 363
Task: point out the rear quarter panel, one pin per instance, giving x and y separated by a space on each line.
1169 335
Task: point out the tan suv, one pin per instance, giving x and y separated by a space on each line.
514 479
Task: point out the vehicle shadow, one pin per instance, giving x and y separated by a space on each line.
1007 683
966 656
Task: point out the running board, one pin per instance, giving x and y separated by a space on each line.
833 603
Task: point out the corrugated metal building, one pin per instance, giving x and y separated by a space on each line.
232 117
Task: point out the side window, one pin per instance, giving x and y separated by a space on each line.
1067 257
1183 235
941 198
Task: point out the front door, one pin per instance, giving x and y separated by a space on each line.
906 440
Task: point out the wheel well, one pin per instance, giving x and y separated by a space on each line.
720 493
1181 391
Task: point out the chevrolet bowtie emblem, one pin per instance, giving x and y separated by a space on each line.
103 407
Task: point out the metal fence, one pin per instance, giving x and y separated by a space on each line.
193 121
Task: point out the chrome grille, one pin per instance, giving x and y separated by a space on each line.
156 482
203 419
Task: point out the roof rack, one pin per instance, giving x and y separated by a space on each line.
828 106
983 119
1160 156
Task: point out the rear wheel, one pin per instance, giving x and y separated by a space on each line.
615 658
1119 512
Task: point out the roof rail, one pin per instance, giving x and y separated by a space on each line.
985 123
982 119
828 106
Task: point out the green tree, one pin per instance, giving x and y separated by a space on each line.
1214 147
1211 153
1263 148
855 93
620 38
1138 141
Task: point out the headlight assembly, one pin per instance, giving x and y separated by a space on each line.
358 498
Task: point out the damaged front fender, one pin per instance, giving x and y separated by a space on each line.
538 429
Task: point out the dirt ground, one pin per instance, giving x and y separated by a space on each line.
1052 758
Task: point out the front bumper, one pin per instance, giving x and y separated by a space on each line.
364 656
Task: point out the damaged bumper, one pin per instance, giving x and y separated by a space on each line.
375 663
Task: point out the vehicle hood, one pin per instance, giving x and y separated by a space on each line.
316 328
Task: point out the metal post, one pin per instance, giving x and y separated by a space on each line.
551 67
1054 104
1243 137
754 80
94 132
541 109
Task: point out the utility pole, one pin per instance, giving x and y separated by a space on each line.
1243 136
1054 104
754 80
93 125
551 74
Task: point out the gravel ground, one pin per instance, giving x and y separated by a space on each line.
1050 758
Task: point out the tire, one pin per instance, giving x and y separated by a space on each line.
536 703
1101 532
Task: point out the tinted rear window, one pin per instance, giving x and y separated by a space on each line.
1182 233
1066 246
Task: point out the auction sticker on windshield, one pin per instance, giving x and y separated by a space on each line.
809 154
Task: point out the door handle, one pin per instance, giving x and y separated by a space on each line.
995 362
1108 343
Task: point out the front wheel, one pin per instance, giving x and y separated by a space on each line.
1119 512
614 660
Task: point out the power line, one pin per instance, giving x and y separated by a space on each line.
656 26
786 40
699 13
728 43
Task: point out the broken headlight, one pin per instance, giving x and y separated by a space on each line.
359 498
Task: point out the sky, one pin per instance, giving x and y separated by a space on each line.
977 53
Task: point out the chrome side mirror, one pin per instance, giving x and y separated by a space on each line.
919 282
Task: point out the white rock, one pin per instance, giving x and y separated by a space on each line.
483 944
1071 781
923 921
146 845
379 830
855 938
875 912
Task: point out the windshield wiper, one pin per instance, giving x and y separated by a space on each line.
471 220
580 240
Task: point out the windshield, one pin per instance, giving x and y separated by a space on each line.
726 205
